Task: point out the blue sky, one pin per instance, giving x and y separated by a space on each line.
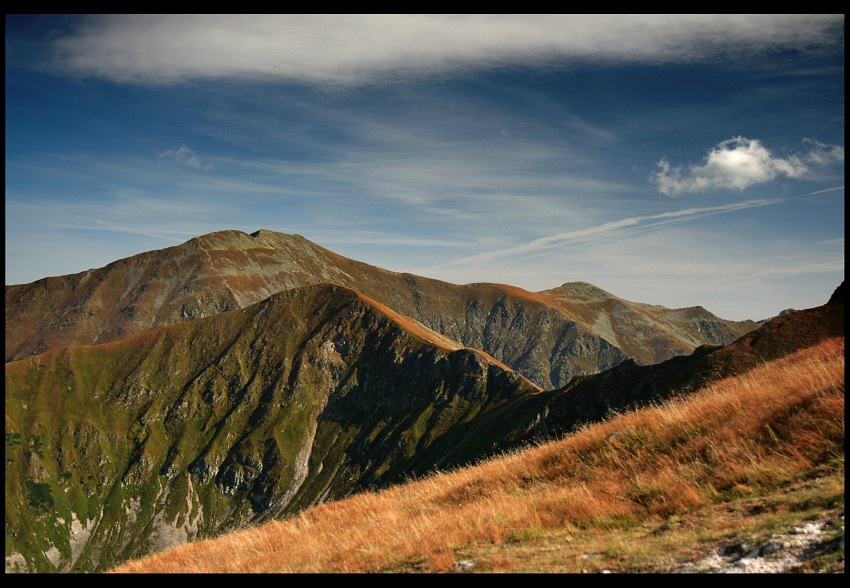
674 160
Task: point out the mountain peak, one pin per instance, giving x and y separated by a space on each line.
585 291
234 238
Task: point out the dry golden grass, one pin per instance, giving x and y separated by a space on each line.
635 490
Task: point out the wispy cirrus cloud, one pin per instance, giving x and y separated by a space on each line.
358 48
606 230
825 191
184 156
738 163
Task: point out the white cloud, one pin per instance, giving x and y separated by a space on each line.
738 163
360 47
185 156
822 154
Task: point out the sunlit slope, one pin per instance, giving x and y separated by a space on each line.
655 490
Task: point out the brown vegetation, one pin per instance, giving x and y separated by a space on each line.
643 492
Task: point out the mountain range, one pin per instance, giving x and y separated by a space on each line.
193 390
550 337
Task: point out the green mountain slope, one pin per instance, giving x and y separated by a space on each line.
187 431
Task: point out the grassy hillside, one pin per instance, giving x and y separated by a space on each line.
117 450
646 491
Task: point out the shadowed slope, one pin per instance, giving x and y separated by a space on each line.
629 386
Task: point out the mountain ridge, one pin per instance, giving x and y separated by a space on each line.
561 336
